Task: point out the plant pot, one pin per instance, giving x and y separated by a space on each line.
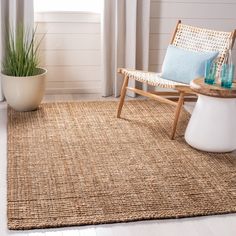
24 93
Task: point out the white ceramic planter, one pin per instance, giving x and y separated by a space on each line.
24 93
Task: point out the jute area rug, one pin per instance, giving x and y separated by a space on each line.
77 164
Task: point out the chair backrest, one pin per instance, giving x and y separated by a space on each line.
203 40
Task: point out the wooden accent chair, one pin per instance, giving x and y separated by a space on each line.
186 37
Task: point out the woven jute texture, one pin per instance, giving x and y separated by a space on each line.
77 164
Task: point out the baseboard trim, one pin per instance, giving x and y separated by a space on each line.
71 91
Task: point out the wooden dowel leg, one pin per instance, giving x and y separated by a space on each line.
177 113
122 96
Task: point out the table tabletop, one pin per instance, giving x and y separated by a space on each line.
215 90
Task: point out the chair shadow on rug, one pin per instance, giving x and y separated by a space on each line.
161 128
188 38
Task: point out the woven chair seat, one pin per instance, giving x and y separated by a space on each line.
150 78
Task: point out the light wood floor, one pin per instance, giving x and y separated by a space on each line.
223 225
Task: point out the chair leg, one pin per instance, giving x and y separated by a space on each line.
177 113
122 96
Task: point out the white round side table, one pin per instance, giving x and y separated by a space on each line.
212 126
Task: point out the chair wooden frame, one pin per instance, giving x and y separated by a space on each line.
182 91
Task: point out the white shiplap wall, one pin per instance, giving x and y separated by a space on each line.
70 50
71 47
213 14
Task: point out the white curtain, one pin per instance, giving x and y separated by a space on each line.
14 13
125 41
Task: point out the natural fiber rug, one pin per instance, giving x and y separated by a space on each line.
77 164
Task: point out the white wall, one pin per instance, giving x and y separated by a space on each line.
213 14
71 47
70 50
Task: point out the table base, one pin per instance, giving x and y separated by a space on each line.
212 126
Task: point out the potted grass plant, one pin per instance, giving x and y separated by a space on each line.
23 81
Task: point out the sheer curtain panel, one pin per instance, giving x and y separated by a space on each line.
125 41
14 13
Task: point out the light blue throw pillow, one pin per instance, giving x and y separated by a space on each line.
182 65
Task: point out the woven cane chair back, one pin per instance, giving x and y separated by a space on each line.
203 40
